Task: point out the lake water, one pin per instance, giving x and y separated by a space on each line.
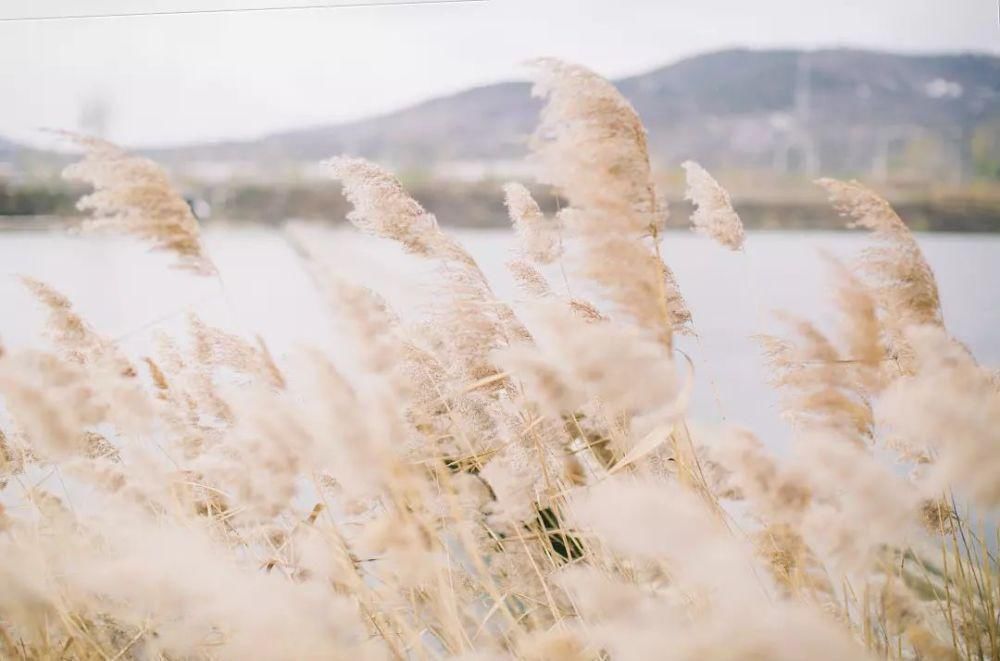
127 293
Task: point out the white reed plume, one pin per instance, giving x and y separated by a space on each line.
133 195
714 214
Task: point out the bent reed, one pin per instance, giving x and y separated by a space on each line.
490 482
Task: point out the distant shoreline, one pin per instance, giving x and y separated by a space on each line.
25 224
764 200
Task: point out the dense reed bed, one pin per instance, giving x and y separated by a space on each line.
487 482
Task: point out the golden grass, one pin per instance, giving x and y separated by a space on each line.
500 483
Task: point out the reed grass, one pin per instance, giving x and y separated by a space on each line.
490 482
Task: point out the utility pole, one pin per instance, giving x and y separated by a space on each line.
803 112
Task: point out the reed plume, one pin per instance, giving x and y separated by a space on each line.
714 215
895 267
824 384
537 235
591 146
947 410
133 195
478 321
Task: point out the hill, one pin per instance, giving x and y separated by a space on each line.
831 111
923 129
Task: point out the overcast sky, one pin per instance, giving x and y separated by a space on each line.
174 79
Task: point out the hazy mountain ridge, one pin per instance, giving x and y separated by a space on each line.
821 111
829 111
924 130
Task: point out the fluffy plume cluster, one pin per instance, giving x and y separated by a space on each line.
714 214
826 384
894 267
475 322
487 481
959 404
591 147
133 195
383 208
538 236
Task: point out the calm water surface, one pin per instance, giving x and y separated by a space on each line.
129 294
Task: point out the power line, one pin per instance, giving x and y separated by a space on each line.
237 10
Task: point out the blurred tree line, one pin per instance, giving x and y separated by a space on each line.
763 203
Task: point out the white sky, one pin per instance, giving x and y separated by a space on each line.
173 79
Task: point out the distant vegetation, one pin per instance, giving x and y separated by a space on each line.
764 202
36 199
924 129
